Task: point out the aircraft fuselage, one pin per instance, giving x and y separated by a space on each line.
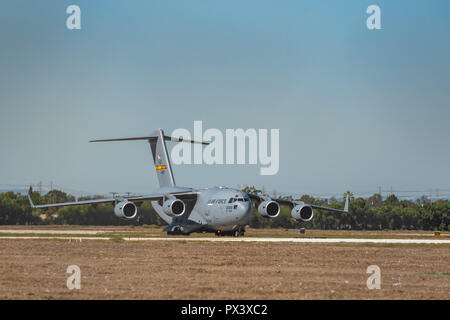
214 209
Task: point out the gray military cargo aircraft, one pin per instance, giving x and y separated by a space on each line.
221 210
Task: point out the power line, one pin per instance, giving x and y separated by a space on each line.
433 193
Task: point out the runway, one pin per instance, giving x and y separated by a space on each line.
248 239
49 231
298 240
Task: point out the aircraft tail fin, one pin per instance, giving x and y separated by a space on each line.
161 159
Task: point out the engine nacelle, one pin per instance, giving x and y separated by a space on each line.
174 207
125 210
269 209
302 212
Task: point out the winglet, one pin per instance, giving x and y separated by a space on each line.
346 204
30 191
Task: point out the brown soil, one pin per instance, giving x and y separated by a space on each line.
36 269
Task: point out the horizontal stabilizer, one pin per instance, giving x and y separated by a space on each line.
152 138
125 139
185 140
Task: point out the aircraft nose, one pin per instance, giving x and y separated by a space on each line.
244 207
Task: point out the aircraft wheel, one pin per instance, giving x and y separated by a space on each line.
237 233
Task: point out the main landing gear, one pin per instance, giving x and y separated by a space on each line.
301 228
235 233
177 230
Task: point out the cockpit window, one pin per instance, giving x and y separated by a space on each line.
231 200
246 199
240 199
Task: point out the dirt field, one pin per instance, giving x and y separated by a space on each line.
36 269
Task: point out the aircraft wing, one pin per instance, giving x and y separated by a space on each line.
65 204
292 203
150 197
330 209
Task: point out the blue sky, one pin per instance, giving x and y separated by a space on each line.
356 109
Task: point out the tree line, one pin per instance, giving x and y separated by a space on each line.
15 209
373 213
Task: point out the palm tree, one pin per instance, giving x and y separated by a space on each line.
350 195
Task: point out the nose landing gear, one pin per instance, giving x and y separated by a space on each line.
238 233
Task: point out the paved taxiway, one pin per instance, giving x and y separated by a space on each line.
250 239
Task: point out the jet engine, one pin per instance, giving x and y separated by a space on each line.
174 207
302 212
269 209
125 210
